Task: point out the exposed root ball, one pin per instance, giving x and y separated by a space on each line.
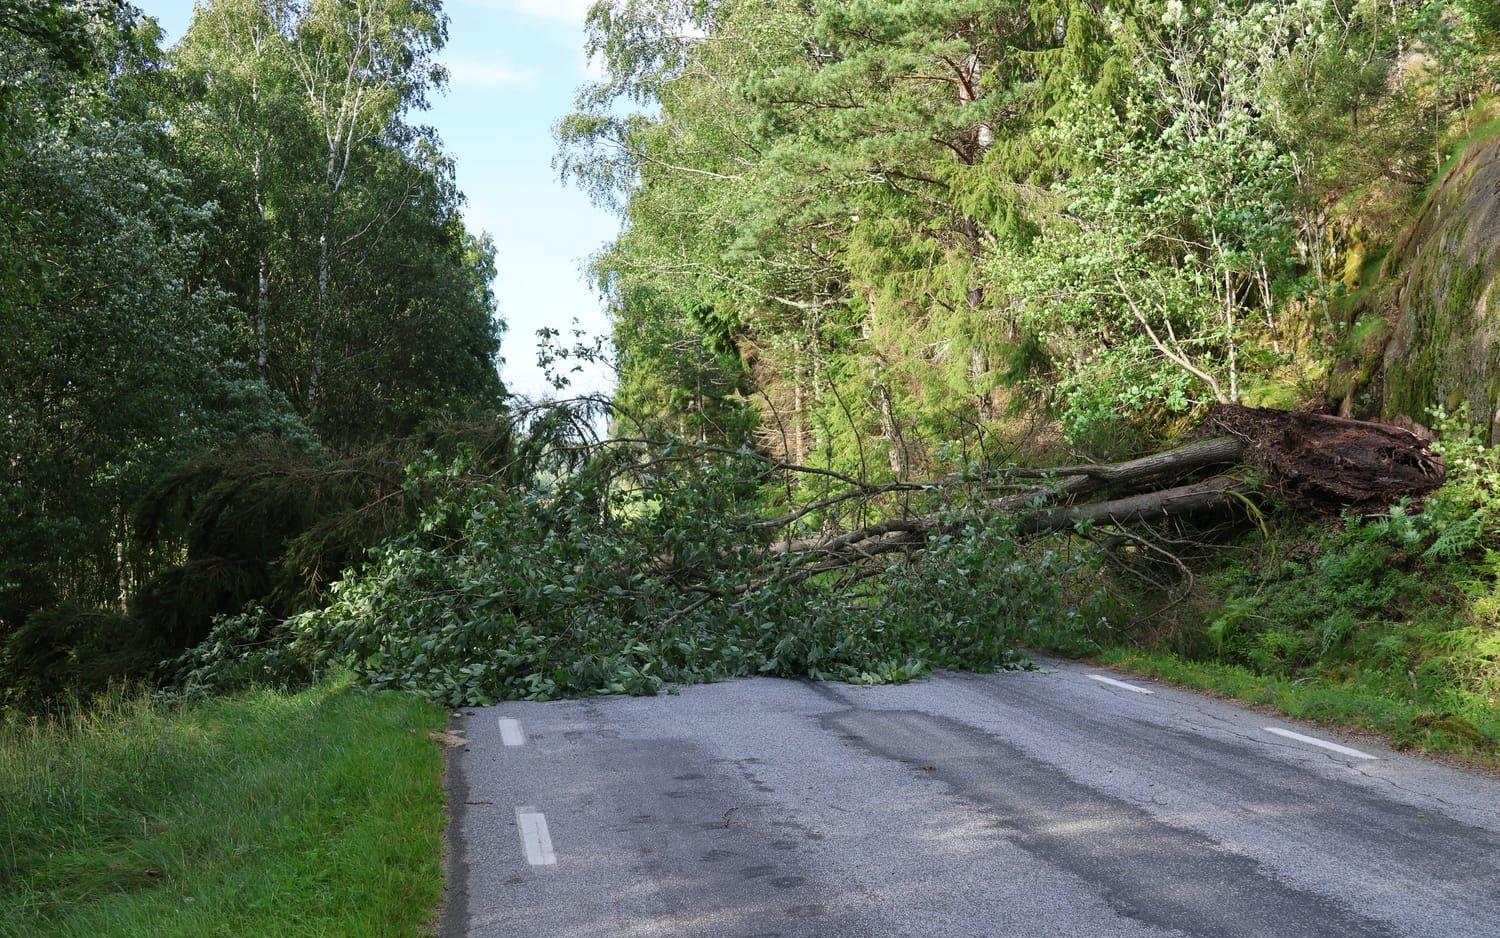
1331 462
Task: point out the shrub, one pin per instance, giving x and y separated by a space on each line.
1405 603
68 647
539 594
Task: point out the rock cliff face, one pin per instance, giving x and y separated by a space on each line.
1440 303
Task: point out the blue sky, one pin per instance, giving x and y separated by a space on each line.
515 65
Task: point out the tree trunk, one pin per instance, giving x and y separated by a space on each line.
334 175
1315 460
262 301
1209 495
263 262
1069 482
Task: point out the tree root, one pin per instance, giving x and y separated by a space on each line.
1311 460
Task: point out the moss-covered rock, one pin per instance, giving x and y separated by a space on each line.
1439 298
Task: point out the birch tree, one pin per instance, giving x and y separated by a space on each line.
362 65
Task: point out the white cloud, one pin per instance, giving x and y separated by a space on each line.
571 11
472 73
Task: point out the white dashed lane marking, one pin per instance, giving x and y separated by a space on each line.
1121 684
535 839
511 733
1311 741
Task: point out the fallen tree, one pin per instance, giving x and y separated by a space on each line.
653 564
1311 460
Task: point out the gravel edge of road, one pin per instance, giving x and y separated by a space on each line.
453 911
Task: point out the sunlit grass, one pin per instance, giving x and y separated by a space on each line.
312 813
1368 705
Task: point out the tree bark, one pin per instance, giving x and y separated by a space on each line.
1315 460
1062 484
263 262
1212 494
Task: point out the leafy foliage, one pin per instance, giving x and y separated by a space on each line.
908 219
237 248
362 297
890 244
555 590
1405 604
118 361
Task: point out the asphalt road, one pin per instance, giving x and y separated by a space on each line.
1043 803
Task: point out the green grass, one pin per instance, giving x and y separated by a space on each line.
1381 625
1404 723
314 813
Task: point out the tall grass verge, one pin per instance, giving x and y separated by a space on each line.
267 813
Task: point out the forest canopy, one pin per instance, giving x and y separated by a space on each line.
243 241
854 230
942 330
